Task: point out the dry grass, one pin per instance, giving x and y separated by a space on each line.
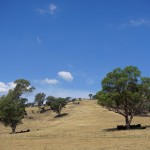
82 129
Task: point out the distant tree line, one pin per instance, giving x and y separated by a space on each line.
56 104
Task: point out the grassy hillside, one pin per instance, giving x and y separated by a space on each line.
83 127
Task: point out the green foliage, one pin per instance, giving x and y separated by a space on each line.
90 95
40 98
68 99
12 106
74 99
11 112
22 86
124 91
94 96
79 99
49 100
58 104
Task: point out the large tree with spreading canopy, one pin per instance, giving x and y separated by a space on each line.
125 91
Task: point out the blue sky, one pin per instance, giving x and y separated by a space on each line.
65 48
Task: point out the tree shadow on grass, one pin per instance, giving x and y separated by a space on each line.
147 126
115 129
22 131
61 115
110 129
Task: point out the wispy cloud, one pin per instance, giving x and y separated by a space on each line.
51 9
50 81
89 80
5 87
65 75
136 23
42 11
38 40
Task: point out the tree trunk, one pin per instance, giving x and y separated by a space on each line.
59 113
127 122
13 129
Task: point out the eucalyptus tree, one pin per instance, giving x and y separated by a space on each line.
125 91
49 100
12 105
90 95
40 98
58 104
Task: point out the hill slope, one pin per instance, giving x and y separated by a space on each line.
81 128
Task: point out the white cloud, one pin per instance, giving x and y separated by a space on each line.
12 85
5 87
50 81
50 9
65 75
136 23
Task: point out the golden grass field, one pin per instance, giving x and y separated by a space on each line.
82 129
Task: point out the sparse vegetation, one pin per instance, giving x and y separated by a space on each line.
88 121
123 91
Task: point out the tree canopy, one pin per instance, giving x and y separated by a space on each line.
40 98
90 95
58 104
49 100
124 91
12 106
